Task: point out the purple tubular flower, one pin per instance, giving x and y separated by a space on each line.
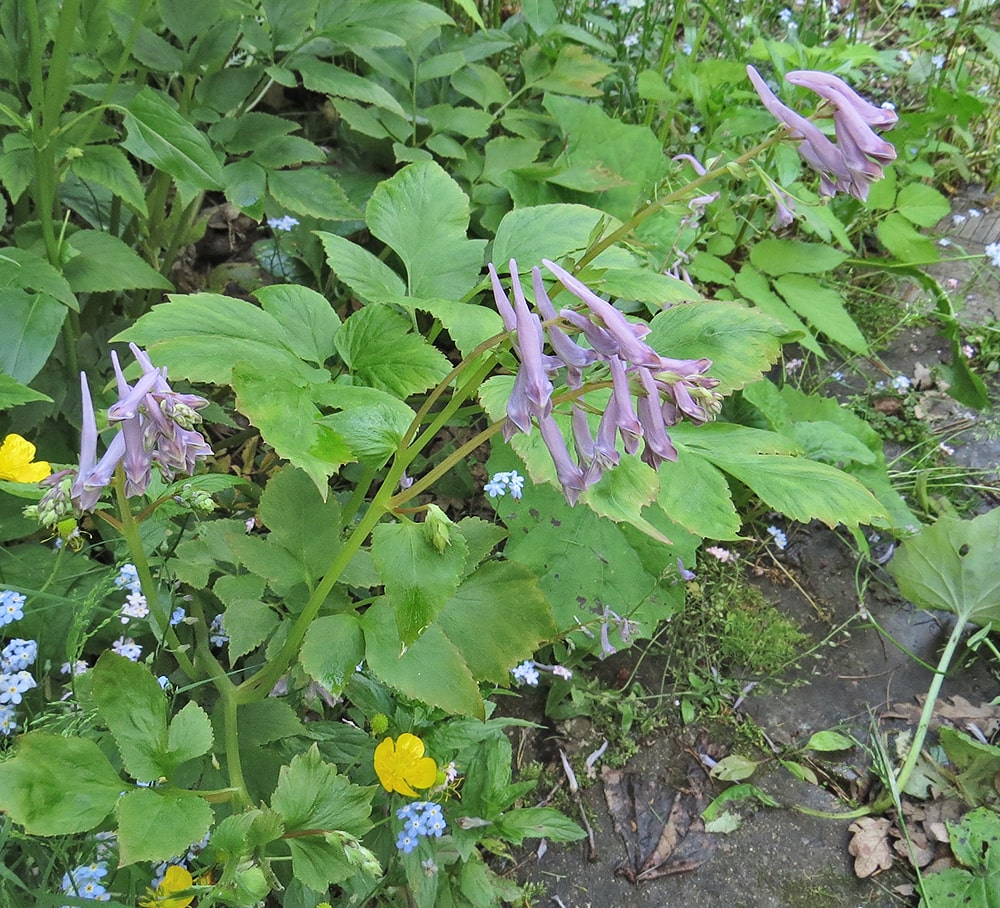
155 426
668 388
569 474
531 340
626 420
825 85
568 350
614 322
658 447
503 302
815 148
861 151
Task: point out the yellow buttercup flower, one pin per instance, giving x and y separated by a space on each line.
401 765
16 461
176 879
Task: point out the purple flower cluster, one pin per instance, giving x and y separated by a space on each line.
856 160
665 390
157 426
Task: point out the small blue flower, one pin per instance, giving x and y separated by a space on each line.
11 607
283 224
780 540
217 632
526 673
421 818
18 654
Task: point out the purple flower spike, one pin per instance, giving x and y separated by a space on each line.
857 160
669 388
155 426
815 148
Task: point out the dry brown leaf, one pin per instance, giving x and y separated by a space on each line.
956 711
870 845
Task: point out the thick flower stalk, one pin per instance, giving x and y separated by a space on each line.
156 427
649 392
856 160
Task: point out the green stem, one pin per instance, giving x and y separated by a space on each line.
909 764
651 208
129 528
259 685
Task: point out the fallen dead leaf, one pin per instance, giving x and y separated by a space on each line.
660 825
870 845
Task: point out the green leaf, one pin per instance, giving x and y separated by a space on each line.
371 422
696 495
107 166
975 840
431 670
951 566
245 184
133 706
467 324
248 622
301 520
13 393
741 343
557 543
742 792
201 336
422 213
922 205
189 735
904 242
623 492
284 412
711 269
380 350
309 321
312 192
332 649
547 231
56 785
595 139
824 308
827 740
575 73
753 286
777 256
497 618
158 825
159 135
419 580
32 325
801 489
538 823
311 794
313 798
29 271
734 768
369 277
647 286
102 262
329 79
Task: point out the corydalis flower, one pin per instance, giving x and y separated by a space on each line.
156 426
856 161
664 389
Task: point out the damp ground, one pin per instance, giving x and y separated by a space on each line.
856 678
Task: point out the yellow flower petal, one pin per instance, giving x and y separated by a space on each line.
16 456
176 879
401 765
